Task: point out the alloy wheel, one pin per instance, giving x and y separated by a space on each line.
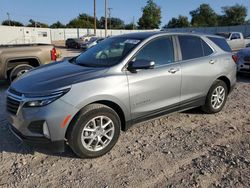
97 133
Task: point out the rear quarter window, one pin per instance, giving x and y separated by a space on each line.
222 43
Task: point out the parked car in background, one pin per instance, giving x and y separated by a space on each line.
235 40
86 38
248 41
243 61
92 42
87 100
73 43
16 60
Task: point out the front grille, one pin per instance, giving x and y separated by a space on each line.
245 70
247 60
13 101
12 105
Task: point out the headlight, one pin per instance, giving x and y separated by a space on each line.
43 100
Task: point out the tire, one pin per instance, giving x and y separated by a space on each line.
19 70
214 104
85 138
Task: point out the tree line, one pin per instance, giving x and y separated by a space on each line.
203 16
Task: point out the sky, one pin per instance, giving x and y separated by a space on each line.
50 11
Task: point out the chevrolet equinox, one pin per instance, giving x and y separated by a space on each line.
85 101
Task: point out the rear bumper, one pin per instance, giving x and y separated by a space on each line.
39 142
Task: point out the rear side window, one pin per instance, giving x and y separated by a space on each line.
206 49
193 47
222 43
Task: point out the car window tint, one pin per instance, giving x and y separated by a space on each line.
191 47
235 36
222 43
160 51
206 49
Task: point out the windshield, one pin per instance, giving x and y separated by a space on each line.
93 39
107 53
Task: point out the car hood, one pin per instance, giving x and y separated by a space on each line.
54 76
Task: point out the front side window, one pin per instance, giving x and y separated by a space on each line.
107 53
159 50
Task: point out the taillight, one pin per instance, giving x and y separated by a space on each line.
53 54
235 58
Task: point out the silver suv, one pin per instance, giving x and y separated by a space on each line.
87 100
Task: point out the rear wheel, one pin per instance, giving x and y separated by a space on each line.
95 132
18 71
216 97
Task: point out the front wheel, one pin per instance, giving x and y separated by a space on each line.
216 97
95 132
18 71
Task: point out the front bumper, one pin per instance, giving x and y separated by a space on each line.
39 142
26 124
243 67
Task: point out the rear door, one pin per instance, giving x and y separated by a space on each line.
198 70
157 90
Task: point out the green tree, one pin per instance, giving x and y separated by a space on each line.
234 15
12 23
130 26
57 25
116 23
204 16
82 21
151 16
181 21
34 23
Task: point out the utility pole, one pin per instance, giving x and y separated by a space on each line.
106 19
133 23
109 13
8 14
95 17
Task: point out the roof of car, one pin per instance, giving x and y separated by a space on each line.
144 35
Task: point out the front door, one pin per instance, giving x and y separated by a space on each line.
157 90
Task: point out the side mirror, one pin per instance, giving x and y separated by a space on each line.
141 64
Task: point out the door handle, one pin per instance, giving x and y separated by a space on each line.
212 61
173 70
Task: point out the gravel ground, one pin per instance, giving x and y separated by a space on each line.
188 149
